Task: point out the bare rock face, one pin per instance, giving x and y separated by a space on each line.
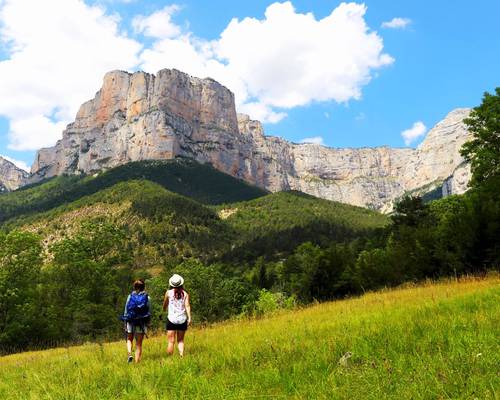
366 177
142 116
11 177
375 177
438 158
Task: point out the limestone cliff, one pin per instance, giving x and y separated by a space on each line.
143 116
11 177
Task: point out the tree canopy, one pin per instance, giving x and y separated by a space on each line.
483 151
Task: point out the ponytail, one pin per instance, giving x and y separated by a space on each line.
178 292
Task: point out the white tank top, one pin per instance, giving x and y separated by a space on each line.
176 308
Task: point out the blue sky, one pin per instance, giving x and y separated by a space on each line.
445 57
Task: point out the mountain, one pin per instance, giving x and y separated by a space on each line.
142 116
183 176
144 199
11 177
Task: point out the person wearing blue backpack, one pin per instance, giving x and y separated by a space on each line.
136 316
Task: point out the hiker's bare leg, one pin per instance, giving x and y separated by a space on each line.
180 342
138 346
171 342
130 339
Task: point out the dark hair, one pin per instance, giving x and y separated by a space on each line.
139 285
179 292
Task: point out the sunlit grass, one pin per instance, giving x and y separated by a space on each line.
432 341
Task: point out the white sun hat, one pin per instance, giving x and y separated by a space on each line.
176 280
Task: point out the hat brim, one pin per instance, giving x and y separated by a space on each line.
178 284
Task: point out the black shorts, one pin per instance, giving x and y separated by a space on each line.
177 327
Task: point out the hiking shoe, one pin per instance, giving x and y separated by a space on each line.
130 359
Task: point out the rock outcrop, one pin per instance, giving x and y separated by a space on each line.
11 177
143 116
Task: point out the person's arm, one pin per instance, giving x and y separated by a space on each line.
165 301
188 309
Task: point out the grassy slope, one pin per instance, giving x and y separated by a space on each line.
189 178
431 341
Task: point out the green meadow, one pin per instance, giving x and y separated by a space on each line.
428 341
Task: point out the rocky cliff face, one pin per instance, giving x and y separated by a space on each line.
142 116
11 177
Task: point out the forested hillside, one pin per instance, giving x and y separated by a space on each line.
187 177
279 222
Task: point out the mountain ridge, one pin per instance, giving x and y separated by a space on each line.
140 116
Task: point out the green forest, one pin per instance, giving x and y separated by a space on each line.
71 246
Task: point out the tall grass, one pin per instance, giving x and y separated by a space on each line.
432 341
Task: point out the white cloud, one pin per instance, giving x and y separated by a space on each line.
58 52
17 163
159 24
285 60
313 140
289 59
417 130
30 132
262 112
397 23
112 1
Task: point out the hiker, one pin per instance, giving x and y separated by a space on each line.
136 316
179 313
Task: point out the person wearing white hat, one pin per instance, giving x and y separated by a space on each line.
179 313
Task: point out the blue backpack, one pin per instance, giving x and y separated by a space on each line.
137 311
